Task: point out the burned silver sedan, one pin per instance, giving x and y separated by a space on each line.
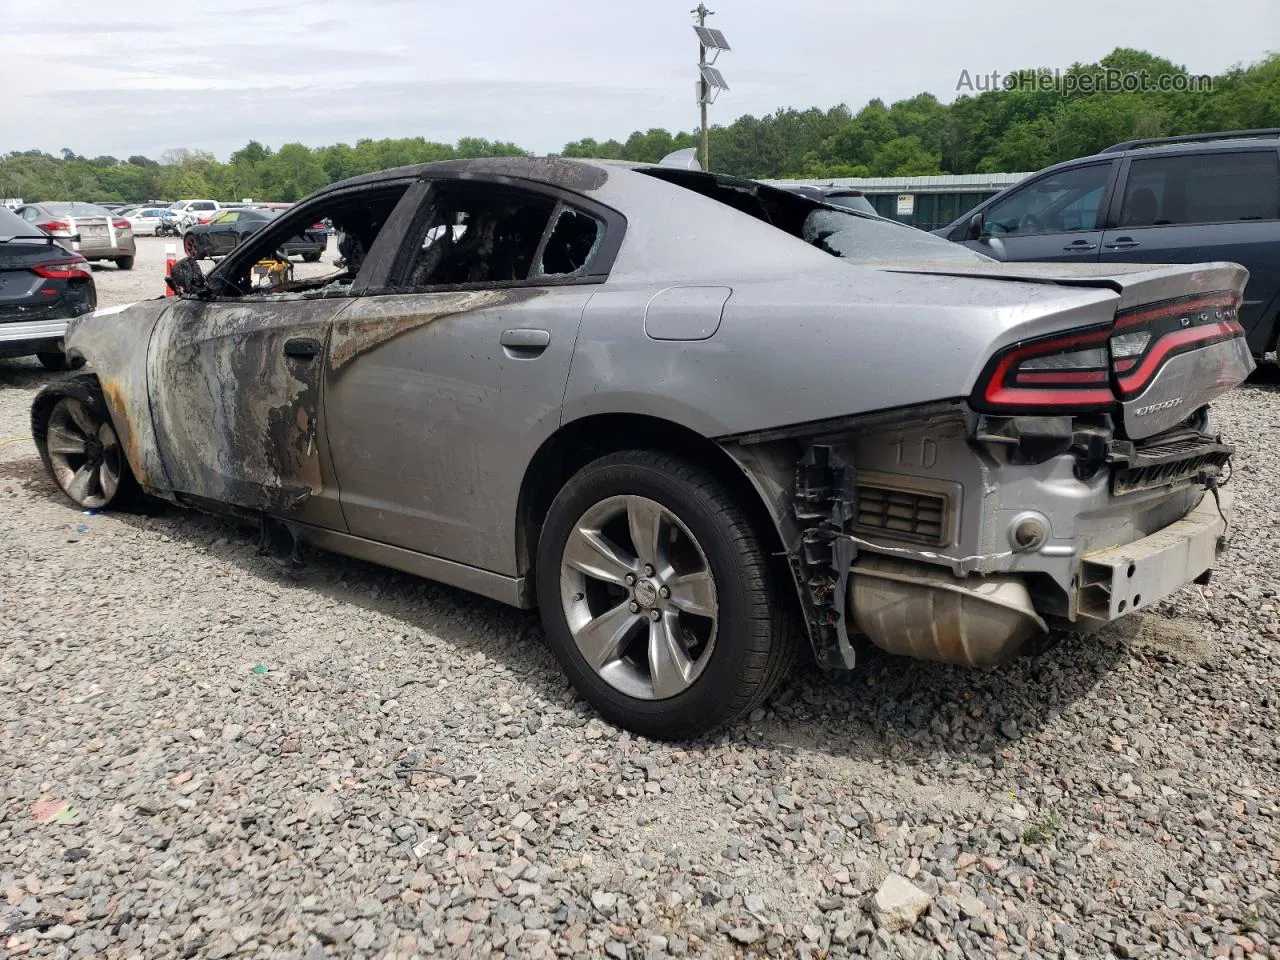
694 419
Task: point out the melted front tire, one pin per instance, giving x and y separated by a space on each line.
78 444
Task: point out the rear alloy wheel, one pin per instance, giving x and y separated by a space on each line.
656 599
124 263
79 445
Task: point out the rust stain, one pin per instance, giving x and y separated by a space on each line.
117 405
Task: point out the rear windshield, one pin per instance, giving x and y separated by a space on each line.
76 209
12 225
841 232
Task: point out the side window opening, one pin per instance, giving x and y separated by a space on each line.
1218 187
473 233
266 270
571 246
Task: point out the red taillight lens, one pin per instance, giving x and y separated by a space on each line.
319 226
203 220
1059 372
53 226
77 269
1147 336
121 224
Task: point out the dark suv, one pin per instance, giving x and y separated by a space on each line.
1192 199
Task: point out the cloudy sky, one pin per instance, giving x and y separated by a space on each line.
144 77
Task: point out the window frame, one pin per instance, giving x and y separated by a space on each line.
612 222
1116 205
1105 202
374 265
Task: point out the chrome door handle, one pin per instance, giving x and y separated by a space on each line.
1123 243
1080 246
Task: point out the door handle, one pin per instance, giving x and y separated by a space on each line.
1122 243
301 348
525 343
1080 246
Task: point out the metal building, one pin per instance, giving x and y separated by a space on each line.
924 202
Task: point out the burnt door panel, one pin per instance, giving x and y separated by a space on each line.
235 397
436 402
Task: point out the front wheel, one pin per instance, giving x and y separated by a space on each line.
190 247
79 445
53 360
656 597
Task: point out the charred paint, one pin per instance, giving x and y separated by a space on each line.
385 318
236 418
116 395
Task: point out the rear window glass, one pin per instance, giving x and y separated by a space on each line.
76 209
12 225
1202 188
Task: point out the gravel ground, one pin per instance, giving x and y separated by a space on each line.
208 757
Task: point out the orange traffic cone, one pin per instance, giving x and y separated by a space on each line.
170 258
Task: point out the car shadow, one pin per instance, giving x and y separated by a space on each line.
889 707
25 373
1266 374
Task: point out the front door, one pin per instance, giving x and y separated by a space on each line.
1057 216
235 396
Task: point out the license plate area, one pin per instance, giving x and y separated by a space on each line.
1119 580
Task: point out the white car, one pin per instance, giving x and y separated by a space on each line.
147 219
192 212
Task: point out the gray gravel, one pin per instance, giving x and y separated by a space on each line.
207 757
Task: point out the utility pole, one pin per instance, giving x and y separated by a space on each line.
709 78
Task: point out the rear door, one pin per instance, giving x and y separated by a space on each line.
1055 216
1204 206
438 394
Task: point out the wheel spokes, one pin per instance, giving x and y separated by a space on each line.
80 416
82 483
62 440
669 665
645 521
601 640
108 478
694 593
589 552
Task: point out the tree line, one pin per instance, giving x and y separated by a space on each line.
1026 123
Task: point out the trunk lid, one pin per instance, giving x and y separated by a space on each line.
1174 343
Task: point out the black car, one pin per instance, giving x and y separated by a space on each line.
222 234
1213 196
42 286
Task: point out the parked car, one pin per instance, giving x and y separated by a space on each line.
148 220
679 412
229 228
1187 199
42 286
838 196
191 213
93 232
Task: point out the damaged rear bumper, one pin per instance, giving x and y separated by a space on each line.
1119 580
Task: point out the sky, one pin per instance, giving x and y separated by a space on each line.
146 76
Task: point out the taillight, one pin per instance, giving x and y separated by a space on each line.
1146 337
121 224
203 220
1070 371
77 269
319 226
53 226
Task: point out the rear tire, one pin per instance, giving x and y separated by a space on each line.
684 649
124 263
313 257
53 360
